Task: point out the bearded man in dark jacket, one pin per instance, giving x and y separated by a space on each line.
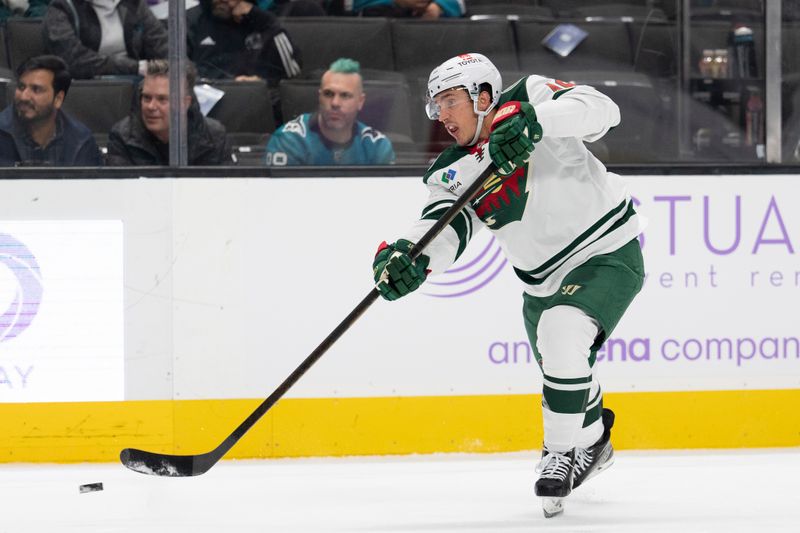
34 130
142 138
104 37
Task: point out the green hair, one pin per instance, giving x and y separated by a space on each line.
344 65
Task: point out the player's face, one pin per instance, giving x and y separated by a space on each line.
340 99
34 98
457 114
155 105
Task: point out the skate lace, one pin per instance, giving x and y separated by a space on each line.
554 465
583 459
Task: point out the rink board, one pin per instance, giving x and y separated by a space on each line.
81 432
217 289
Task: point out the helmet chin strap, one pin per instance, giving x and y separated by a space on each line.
478 129
481 115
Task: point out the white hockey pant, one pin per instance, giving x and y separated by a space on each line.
565 336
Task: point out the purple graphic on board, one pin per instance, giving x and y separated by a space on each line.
470 277
15 256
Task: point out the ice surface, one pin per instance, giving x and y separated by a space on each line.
725 491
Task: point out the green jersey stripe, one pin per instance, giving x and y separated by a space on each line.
566 402
561 92
593 414
461 224
568 381
528 275
441 203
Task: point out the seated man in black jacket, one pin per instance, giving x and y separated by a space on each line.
142 138
33 130
104 37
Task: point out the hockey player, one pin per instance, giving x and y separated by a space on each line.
564 222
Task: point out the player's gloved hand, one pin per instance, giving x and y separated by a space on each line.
514 131
395 273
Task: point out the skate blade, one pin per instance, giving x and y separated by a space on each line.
552 507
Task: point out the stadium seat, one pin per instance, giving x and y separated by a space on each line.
245 110
644 132
421 45
386 107
508 9
100 103
473 3
249 152
24 39
607 47
6 97
322 40
790 41
616 8
730 10
4 64
614 11
655 48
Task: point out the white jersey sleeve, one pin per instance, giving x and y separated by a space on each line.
565 109
447 178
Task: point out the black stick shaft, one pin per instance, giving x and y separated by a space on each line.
354 315
192 465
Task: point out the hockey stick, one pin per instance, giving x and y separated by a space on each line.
160 464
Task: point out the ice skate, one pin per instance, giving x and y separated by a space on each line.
555 480
592 460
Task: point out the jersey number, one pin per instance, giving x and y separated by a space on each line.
558 85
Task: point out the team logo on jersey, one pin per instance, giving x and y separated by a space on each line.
372 134
569 290
295 126
504 198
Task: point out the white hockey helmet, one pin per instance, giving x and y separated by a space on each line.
469 71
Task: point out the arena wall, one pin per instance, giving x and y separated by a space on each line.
158 313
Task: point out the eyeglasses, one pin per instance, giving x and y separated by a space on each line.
434 106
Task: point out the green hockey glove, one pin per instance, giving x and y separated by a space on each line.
513 134
395 273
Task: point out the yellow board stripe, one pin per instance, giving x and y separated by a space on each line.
97 431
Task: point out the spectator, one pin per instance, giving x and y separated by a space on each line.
104 37
34 130
332 135
235 39
22 8
424 9
142 138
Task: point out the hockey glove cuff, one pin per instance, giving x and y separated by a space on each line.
513 134
395 273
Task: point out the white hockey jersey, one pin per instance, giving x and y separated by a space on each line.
552 215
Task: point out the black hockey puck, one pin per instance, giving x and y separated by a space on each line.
90 487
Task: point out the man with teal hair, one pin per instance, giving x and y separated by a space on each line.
333 135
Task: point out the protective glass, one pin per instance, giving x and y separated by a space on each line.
444 101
